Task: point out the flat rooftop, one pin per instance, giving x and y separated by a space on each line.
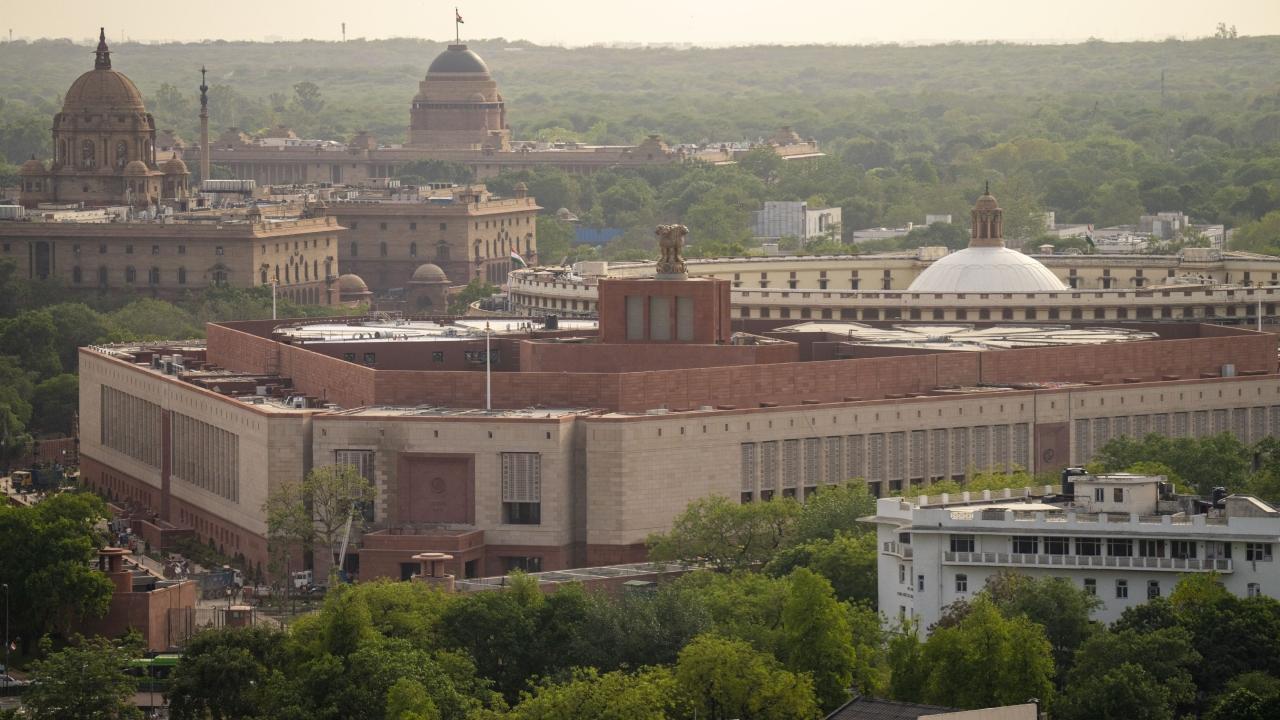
396 330
441 411
963 337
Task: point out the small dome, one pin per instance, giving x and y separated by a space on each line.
986 269
429 272
350 284
986 202
32 167
135 167
522 186
457 59
175 166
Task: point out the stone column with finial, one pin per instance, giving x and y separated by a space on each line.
204 126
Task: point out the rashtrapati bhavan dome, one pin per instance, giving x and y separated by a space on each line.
458 105
104 144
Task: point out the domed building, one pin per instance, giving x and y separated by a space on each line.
104 144
352 290
458 106
986 266
428 290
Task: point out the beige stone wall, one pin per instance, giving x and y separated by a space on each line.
485 440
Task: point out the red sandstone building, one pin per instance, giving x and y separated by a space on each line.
597 439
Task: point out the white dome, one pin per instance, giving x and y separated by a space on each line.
986 269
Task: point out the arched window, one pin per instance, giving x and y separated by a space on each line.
355 249
315 269
182 276
277 274
76 277
102 276
88 155
130 275
153 276
382 249
122 153
62 151
287 274
306 271
220 277
263 275
413 249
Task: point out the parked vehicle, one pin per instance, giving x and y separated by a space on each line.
302 579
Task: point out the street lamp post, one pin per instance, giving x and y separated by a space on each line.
6 626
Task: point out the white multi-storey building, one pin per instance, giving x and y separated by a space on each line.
1125 538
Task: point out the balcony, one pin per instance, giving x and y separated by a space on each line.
898 549
1105 562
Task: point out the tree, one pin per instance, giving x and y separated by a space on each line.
1056 604
986 659
329 497
847 561
762 162
1125 691
150 319
1166 657
84 681
816 638
1244 704
725 534
475 290
499 630
832 510
54 404
723 679
308 97
589 695
32 337
555 240
224 673
1208 462
48 552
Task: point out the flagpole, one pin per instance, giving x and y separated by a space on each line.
488 371
457 31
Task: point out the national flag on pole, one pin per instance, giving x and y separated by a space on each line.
515 257
457 16
1088 236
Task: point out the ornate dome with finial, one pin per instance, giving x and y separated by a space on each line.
457 59
175 166
32 167
987 265
103 89
135 167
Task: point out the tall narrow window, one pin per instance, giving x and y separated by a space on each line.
522 488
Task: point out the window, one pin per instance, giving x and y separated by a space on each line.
76 277
102 276
1122 589
522 563
902 574
437 356
1117 547
102 249
522 488
130 275
1117 494
413 249
1183 549
444 226
153 276
382 226
1099 495
370 358
1088 546
1255 589
919 583
75 249
155 249
962 583
1217 550
1025 545
1091 586
382 249
182 276
962 543
1057 545
1153 589
182 249
349 356
1257 552
128 249
1151 548
218 250
413 226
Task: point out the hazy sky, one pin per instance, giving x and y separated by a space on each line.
703 22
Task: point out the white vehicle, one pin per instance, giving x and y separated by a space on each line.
302 579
